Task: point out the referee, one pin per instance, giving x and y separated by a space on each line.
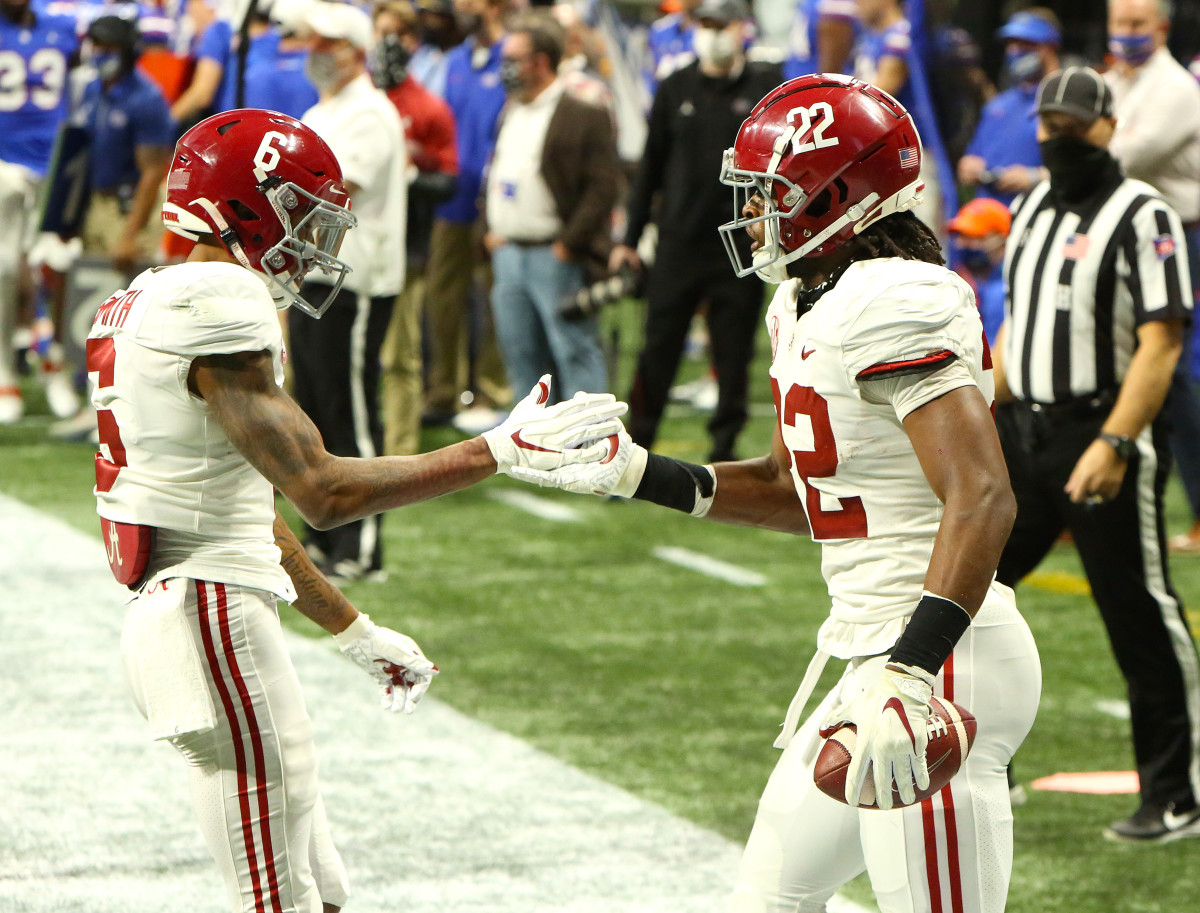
1098 298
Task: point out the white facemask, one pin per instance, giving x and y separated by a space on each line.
714 47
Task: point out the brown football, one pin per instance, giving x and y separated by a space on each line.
951 734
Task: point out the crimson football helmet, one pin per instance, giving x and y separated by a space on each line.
828 155
271 190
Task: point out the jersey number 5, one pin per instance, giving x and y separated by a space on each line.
100 356
849 521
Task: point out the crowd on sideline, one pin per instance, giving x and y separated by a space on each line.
436 105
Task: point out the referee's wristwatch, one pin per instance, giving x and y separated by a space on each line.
1121 443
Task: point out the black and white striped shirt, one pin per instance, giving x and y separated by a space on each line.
1078 284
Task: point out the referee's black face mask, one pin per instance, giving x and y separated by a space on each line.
1077 168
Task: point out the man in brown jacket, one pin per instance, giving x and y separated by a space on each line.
551 189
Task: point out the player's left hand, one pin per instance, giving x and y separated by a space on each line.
394 660
125 253
1097 475
537 436
891 718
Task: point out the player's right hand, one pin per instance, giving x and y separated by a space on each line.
617 473
394 660
537 436
622 256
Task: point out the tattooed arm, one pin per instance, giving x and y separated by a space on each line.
271 431
316 597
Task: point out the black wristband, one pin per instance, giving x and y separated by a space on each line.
674 483
932 632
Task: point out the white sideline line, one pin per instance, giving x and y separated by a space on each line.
433 812
539 507
711 567
1118 709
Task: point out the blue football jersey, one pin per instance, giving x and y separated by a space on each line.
33 87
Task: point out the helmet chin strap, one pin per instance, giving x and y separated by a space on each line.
282 294
227 235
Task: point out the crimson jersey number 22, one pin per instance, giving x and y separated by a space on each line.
849 520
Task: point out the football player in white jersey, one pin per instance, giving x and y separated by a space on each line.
886 452
196 432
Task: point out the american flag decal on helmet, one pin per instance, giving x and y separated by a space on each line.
909 158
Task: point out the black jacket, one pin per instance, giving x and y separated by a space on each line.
693 120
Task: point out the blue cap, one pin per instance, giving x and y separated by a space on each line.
1027 26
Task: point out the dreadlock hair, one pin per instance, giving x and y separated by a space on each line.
901 235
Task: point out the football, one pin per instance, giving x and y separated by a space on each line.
951 734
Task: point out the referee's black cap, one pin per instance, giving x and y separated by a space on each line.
1078 91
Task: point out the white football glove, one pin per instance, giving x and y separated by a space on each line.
892 730
537 436
393 659
618 472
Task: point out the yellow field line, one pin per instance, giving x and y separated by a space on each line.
1064 583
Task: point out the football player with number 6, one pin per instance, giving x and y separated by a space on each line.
196 434
886 452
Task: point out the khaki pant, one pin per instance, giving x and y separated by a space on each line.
453 269
400 372
105 222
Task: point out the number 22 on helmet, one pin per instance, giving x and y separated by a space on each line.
819 159
271 191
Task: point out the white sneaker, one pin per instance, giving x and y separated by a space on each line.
701 393
12 407
60 393
478 419
79 427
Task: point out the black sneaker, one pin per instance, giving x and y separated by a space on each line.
1155 825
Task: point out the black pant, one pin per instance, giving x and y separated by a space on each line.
678 283
335 364
1122 545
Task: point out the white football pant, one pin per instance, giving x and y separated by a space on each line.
253 776
17 191
951 853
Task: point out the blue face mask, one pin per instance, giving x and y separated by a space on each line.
1024 66
976 261
1134 50
108 65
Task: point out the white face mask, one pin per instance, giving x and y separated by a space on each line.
714 47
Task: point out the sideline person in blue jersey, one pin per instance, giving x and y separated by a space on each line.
821 37
885 56
1003 158
35 49
214 48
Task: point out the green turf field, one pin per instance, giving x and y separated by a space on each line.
575 637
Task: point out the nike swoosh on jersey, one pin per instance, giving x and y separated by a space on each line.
804 353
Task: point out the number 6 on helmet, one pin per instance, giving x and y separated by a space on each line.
281 214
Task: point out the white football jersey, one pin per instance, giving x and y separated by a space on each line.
841 412
163 461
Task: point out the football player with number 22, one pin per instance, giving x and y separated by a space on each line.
196 435
886 452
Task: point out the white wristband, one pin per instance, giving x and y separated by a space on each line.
703 504
631 478
360 626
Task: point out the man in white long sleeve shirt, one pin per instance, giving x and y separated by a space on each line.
1157 140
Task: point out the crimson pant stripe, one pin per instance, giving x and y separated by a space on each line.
955 872
931 861
239 753
264 809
